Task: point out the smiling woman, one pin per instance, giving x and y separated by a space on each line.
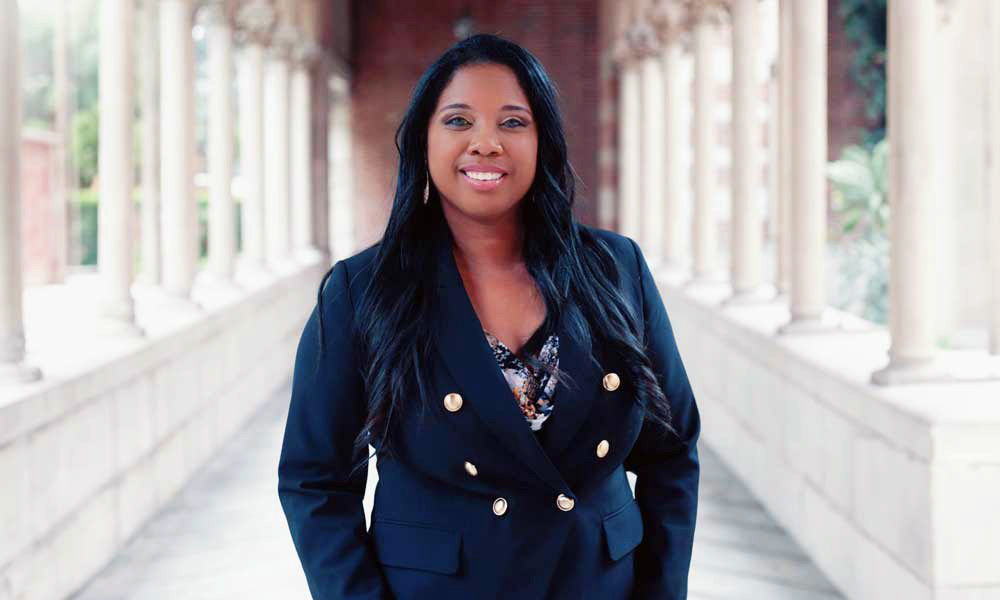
482 139
507 363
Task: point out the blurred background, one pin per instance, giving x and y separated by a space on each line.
814 182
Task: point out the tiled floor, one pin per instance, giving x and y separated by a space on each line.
740 552
225 536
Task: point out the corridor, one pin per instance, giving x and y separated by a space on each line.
224 536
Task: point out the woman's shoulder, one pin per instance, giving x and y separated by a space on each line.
624 248
357 267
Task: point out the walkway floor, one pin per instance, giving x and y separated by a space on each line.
224 536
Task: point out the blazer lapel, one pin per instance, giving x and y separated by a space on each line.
573 400
470 360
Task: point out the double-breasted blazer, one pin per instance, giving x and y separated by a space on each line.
474 506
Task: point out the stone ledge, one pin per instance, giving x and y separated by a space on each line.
118 426
887 488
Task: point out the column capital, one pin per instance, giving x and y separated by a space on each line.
638 41
216 12
712 12
255 19
670 18
285 38
339 87
305 53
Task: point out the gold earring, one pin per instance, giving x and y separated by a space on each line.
427 188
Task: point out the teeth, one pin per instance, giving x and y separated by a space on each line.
484 176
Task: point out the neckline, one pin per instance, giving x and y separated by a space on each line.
530 346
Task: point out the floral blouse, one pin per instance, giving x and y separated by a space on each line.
533 390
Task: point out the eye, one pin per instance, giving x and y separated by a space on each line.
453 119
518 122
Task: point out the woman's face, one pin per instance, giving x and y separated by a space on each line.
482 128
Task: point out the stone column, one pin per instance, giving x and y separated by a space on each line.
651 151
322 164
786 55
912 123
807 292
12 368
706 17
671 21
179 215
148 52
994 187
745 251
222 210
255 19
64 177
116 314
341 213
629 168
303 239
277 186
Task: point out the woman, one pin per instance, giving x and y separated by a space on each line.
484 287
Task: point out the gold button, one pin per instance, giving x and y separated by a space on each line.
499 506
602 448
471 469
611 382
453 401
564 502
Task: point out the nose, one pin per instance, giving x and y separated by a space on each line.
485 142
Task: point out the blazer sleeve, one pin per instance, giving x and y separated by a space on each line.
321 501
665 464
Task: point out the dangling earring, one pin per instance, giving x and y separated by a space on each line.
427 188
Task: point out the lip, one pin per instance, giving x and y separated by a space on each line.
482 168
485 186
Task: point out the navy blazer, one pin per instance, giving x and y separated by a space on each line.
435 528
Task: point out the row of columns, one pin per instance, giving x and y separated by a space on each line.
652 177
275 66
11 302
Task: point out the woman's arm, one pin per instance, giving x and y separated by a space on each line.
665 464
322 503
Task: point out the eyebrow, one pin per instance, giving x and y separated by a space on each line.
504 107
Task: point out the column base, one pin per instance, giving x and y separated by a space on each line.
706 279
809 325
252 273
757 296
218 282
18 373
118 328
900 372
283 265
308 255
175 303
147 278
672 269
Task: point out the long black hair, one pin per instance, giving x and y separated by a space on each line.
574 270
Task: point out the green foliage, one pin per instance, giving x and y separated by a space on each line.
859 179
865 27
86 207
85 142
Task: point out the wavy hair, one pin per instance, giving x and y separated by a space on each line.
575 271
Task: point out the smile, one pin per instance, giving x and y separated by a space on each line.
484 181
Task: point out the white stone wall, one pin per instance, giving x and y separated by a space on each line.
86 460
893 492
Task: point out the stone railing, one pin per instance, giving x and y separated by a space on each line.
94 449
892 491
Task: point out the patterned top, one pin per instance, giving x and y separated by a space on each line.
533 390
